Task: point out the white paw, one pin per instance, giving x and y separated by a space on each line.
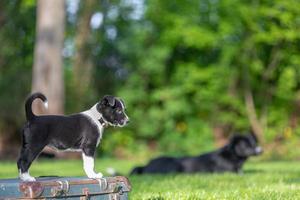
27 178
95 176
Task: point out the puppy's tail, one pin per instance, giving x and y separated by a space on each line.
29 114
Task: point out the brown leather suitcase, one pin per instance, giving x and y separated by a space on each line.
107 188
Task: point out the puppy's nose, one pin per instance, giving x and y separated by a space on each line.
258 150
127 121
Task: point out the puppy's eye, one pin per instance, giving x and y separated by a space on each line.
119 111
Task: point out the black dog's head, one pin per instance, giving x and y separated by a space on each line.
245 145
113 111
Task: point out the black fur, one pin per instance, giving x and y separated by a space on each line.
112 110
230 158
75 131
28 111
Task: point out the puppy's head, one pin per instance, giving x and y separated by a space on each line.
245 145
113 111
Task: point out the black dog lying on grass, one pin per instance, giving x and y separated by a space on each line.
229 158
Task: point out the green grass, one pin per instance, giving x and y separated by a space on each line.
260 180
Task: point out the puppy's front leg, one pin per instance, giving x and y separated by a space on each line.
88 166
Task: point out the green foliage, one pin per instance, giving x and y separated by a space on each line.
193 61
182 67
17 32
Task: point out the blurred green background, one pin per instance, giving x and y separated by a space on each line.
191 72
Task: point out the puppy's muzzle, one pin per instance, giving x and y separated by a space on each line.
126 121
258 150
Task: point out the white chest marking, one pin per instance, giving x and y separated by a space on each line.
94 116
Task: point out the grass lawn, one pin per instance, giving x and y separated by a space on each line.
261 180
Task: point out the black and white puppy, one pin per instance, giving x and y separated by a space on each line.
77 132
229 158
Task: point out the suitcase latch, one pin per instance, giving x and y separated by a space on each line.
118 189
86 194
61 189
31 189
117 192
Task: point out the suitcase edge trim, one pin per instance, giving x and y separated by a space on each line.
35 189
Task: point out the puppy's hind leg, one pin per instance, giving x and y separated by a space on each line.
27 155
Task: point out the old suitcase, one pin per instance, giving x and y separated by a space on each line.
107 188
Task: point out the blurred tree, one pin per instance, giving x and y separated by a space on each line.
48 64
17 22
191 72
83 64
202 67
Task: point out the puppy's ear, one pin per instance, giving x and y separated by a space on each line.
108 100
252 134
234 139
121 100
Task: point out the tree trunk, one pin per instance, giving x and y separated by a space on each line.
82 60
220 135
48 63
255 124
252 116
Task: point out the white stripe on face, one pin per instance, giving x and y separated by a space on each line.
122 104
123 109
